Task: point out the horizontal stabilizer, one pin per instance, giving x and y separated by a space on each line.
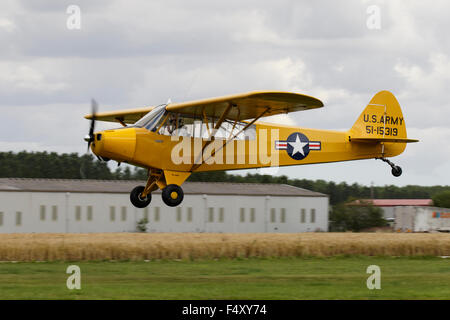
375 140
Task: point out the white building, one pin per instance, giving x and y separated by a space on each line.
422 219
388 206
54 205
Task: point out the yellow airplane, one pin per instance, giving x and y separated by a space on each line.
175 139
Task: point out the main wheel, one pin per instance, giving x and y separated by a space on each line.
172 195
396 171
137 200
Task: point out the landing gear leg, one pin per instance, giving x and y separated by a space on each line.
396 170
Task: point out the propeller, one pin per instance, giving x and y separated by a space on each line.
90 137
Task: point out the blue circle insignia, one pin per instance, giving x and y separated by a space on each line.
297 146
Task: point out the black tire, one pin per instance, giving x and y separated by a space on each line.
396 171
136 200
172 195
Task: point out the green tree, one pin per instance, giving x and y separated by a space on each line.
442 199
355 218
52 166
141 225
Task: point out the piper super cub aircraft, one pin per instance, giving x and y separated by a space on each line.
175 139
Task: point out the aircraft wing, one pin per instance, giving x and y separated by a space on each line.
126 116
248 105
244 106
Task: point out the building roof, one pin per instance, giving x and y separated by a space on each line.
123 186
394 202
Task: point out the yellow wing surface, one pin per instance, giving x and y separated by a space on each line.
243 106
126 116
248 105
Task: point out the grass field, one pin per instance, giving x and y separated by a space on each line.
254 278
193 246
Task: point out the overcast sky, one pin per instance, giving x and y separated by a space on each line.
136 53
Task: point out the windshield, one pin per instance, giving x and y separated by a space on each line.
150 120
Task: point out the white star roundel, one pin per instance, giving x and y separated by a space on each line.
297 145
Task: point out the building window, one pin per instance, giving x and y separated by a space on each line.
242 215
112 213
302 215
54 213
1 218
18 218
210 214
313 215
78 213
272 215
146 214
89 213
178 214
283 215
124 214
156 214
189 214
42 212
221 214
252 214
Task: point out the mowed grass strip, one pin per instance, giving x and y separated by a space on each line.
255 278
193 246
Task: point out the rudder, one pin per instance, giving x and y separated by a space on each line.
382 119
382 123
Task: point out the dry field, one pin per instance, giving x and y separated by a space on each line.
141 246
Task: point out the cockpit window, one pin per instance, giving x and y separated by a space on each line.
151 119
176 124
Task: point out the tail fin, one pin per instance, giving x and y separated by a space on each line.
381 121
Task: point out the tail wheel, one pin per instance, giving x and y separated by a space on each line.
172 195
137 200
396 171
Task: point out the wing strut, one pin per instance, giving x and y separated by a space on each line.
196 166
120 120
211 135
235 122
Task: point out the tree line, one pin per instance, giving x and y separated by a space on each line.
73 166
338 192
